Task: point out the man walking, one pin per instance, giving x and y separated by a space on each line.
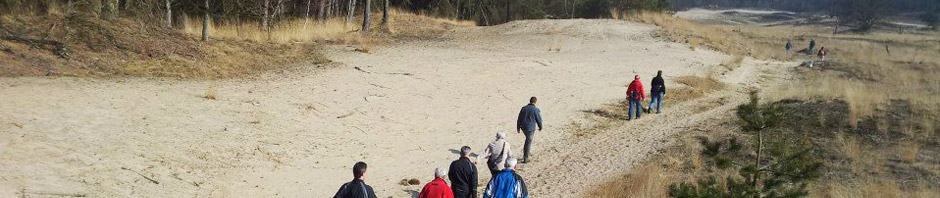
789 47
357 188
507 184
437 188
529 117
635 97
812 46
496 153
657 91
463 175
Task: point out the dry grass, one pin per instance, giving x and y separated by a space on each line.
646 181
850 146
694 87
733 63
857 67
284 32
871 188
908 151
211 92
332 30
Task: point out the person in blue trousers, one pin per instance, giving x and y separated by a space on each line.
657 92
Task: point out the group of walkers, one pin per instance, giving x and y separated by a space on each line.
821 54
635 96
504 182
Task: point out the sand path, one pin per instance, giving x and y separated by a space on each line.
403 109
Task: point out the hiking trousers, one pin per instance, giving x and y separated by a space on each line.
635 107
657 99
529 135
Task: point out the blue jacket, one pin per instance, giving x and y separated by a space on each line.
529 118
506 184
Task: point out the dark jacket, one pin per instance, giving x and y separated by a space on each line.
355 189
658 85
463 178
529 117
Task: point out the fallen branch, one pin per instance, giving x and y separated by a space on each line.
57 48
142 175
393 73
6 49
56 194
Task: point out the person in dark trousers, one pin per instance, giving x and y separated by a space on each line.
506 184
463 175
529 118
657 92
812 46
635 96
357 188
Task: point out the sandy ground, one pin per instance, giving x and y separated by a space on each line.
405 111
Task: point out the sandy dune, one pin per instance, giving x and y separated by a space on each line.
403 109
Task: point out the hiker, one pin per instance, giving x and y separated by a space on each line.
357 188
657 92
507 184
812 46
789 47
437 188
529 117
463 175
496 153
635 96
822 53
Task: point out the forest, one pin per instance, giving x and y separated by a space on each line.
484 12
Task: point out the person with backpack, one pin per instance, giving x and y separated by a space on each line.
657 92
463 175
507 184
529 117
822 53
496 153
635 97
357 188
437 188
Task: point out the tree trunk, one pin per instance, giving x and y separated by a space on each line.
385 13
307 15
321 15
169 13
278 11
456 10
508 13
350 11
205 22
366 16
265 20
108 9
760 146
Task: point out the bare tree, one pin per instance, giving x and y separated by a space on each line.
307 15
350 11
266 15
205 22
320 11
169 13
366 16
385 13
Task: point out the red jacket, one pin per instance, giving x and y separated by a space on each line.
636 86
436 189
